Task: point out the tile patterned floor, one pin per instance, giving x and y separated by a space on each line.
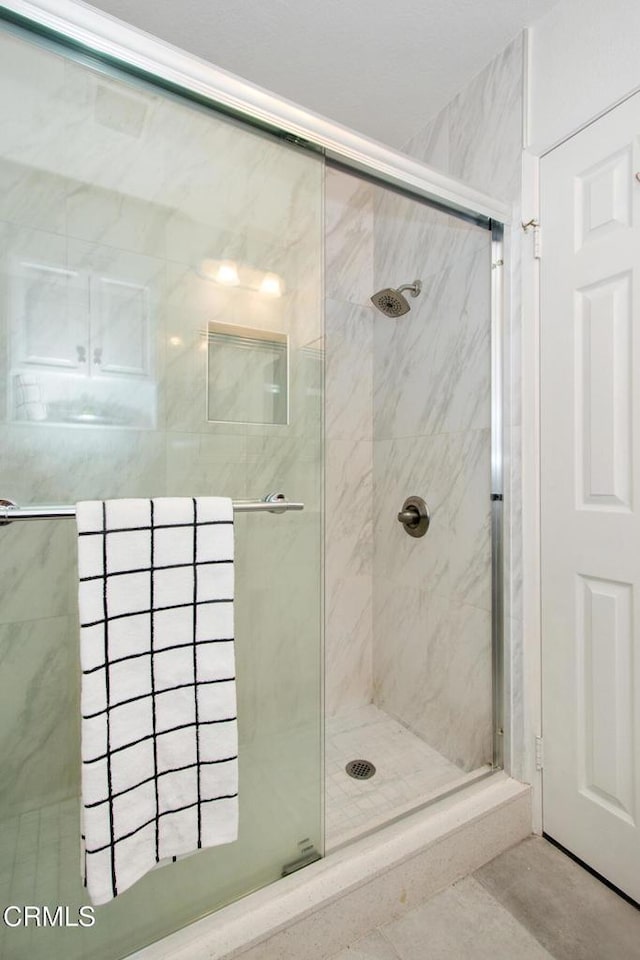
408 773
530 903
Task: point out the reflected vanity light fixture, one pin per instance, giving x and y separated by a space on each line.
271 285
227 273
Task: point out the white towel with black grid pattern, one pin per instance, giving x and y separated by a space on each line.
159 728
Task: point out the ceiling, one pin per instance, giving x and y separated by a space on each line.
382 67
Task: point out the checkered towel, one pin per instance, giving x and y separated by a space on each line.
159 729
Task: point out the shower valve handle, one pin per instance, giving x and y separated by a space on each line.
410 515
415 516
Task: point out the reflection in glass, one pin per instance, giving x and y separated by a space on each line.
80 340
247 378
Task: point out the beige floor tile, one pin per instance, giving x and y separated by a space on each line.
373 947
463 922
574 915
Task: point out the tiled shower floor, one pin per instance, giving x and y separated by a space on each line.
408 773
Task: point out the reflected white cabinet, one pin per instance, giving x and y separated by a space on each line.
120 342
82 342
50 316
94 324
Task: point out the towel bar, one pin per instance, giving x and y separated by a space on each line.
10 512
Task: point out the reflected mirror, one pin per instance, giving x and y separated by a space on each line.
247 375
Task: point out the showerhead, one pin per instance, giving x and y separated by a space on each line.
391 303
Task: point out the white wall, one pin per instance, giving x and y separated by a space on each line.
585 57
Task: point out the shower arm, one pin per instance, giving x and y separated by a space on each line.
413 288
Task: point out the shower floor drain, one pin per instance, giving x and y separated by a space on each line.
360 769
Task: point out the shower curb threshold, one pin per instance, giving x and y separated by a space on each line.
314 913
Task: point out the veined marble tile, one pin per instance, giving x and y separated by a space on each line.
95 462
411 466
460 714
34 113
491 161
39 726
278 641
415 241
432 367
116 220
5 229
349 508
424 588
432 670
486 126
348 238
306 384
36 560
407 623
239 195
291 465
431 143
468 507
348 641
204 466
349 370
32 197
116 140
304 311
285 546
348 573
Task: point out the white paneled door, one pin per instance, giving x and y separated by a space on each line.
590 439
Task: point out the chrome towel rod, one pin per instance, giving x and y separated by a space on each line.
10 511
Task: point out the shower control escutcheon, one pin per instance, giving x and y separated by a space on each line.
415 516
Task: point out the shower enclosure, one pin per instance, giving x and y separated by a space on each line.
186 312
409 411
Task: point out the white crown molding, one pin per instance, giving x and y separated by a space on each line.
103 34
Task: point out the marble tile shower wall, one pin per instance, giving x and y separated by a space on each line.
91 190
431 418
408 411
349 441
477 137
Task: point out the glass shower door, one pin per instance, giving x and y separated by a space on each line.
160 282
